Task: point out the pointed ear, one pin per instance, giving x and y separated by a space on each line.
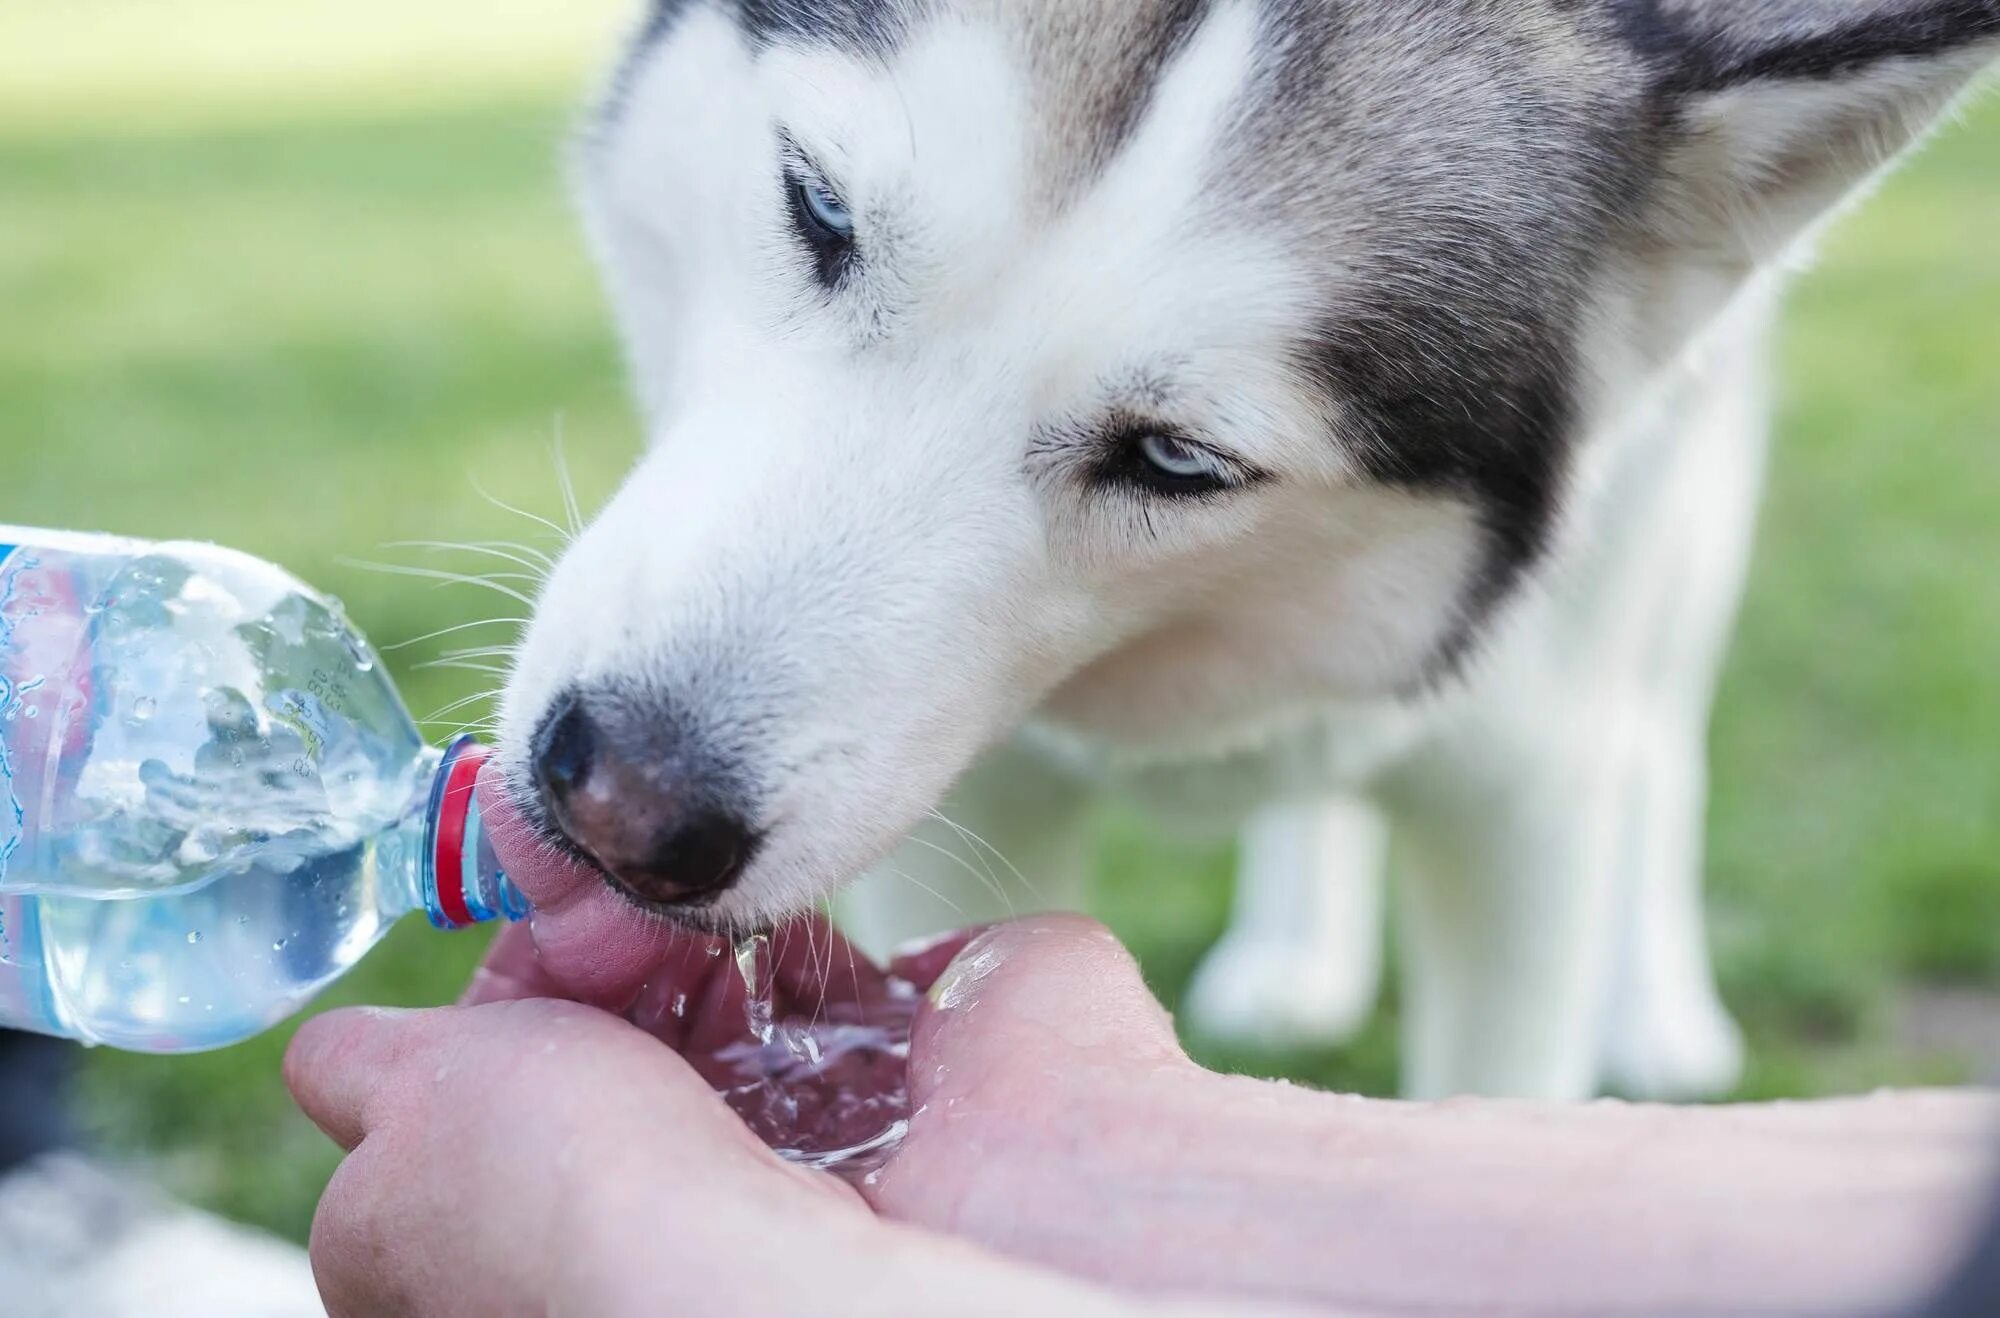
1776 109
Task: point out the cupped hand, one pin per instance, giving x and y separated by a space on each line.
525 1155
1038 1054
529 1147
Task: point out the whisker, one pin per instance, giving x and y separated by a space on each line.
820 971
541 556
853 971
991 883
505 507
447 631
990 849
482 652
461 703
957 910
463 665
483 729
977 854
564 483
539 565
493 582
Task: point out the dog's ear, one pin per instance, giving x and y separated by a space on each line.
1775 109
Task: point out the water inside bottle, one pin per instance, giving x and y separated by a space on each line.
201 773
178 714
214 964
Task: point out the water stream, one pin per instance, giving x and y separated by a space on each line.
824 1081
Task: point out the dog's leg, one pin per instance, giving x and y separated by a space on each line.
1302 960
1667 1035
1552 859
1505 855
1010 840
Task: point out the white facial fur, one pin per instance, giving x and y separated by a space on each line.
859 547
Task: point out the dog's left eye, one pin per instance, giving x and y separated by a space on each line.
823 223
1160 462
1177 459
824 211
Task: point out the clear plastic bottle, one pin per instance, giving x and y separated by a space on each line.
212 800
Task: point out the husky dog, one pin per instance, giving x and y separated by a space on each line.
1337 419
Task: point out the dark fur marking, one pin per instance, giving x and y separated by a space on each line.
865 27
1122 100
1699 48
661 17
1492 426
862 27
1448 346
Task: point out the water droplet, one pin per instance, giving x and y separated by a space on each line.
143 708
194 936
182 999
680 1007
279 946
243 919
32 710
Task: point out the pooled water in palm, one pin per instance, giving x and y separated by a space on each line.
828 1088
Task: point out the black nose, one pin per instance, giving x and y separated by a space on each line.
633 793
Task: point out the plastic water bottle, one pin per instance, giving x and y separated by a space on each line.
212 800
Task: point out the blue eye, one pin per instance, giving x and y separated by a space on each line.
1179 460
824 210
1141 456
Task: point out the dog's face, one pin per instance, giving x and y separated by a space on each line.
1162 366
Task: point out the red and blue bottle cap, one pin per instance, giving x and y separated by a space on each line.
463 883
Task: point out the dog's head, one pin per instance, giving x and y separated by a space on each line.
1161 366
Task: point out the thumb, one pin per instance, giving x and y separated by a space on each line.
1054 991
337 1064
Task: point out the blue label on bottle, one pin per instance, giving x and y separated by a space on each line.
25 997
12 814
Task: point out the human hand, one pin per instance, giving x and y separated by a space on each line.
1041 1058
1055 1118
527 1155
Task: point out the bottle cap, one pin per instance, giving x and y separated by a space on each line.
463 884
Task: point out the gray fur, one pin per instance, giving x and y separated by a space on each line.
1459 176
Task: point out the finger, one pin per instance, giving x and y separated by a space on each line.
500 1143
921 962
335 1065
1056 992
354 1261
685 998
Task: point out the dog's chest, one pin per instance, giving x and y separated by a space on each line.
1333 749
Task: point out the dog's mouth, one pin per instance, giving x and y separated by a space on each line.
694 912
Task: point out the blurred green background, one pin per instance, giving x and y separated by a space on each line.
293 276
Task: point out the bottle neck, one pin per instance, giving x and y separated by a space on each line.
460 880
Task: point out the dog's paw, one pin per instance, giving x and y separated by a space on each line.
1693 1054
1268 993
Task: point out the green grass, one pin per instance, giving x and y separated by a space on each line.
298 311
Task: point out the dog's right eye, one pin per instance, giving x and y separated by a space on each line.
823 223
